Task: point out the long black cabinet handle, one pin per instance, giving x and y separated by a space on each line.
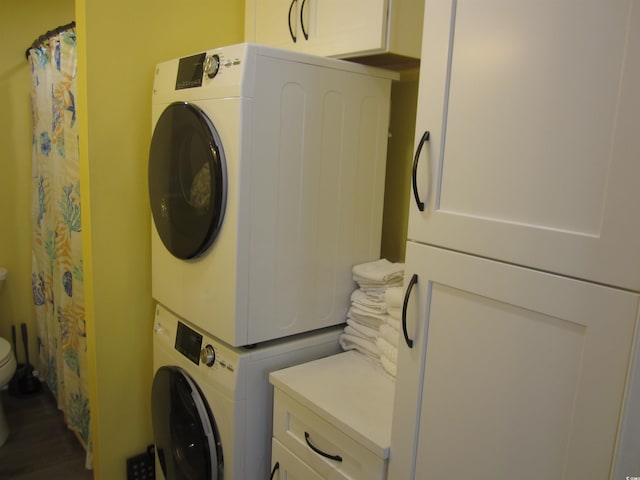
293 35
407 294
337 458
276 467
414 170
304 32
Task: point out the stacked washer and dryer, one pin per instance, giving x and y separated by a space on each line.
266 183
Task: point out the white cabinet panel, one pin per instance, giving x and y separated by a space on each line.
533 111
337 28
513 373
286 466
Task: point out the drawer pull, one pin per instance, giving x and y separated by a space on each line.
337 458
276 467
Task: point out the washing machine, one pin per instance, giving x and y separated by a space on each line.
212 404
266 185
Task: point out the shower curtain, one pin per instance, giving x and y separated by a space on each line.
57 271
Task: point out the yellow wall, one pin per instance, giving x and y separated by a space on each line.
119 43
20 24
404 98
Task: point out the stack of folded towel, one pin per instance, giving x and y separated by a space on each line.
373 320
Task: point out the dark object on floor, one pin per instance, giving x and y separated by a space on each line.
28 385
143 466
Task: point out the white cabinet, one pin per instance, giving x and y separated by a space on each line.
527 251
514 373
533 111
337 28
332 419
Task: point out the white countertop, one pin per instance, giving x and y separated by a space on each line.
347 390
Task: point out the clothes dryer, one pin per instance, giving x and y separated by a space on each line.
266 183
212 404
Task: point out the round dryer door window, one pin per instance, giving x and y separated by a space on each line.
187 180
185 433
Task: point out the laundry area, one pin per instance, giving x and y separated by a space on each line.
266 184
390 240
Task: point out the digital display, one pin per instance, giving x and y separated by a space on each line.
190 70
188 342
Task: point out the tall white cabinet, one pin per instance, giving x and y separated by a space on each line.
524 245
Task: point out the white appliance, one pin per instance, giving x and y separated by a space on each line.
266 180
212 403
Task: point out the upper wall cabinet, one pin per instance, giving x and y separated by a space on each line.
533 156
382 31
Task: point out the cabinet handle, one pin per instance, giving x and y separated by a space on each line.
293 36
337 458
414 280
276 467
414 170
304 32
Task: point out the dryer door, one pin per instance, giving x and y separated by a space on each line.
187 180
185 433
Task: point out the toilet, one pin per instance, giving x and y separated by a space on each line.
7 369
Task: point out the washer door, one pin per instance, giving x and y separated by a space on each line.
187 180
185 433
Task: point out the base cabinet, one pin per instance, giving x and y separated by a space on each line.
513 373
332 419
286 466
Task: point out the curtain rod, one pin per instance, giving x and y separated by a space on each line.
51 33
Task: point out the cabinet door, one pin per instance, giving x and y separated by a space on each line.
289 467
534 154
320 27
272 22
339 28
513 373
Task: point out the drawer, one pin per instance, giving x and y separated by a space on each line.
290 467
297 427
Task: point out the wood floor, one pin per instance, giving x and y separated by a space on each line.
39 446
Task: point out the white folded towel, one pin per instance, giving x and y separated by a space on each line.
379 272
387 349
395 312
355 342
390 334
366 320
388 355
394 297
371 320
393 323
390 367
363 330
369 303
370 286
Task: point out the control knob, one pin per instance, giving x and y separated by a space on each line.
208 356
211 65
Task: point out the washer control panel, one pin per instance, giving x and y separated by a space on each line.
188 342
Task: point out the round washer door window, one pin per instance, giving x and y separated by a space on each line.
185 433
187 180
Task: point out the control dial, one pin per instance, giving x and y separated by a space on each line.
208 355
211 65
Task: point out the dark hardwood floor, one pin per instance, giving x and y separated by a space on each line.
39 446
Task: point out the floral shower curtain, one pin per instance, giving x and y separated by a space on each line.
57 270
